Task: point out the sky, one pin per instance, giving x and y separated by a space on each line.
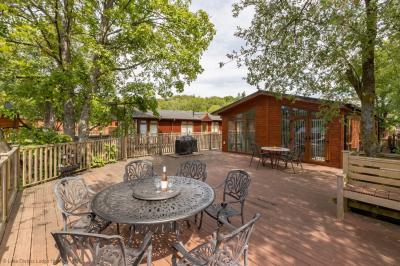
228 80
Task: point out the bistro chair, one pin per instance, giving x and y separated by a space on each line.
259 154
138 169
236 188
293 156
73 199
193 169
222 249
77 248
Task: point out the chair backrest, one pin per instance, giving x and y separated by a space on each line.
237 185
230 247
72 195
138 169
255 150
78 248
298 152
193 169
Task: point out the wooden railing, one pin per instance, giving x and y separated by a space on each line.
9 173
41 163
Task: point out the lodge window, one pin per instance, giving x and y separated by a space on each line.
143 127
241 132
215 127
153 127
204 126
186 127
303 130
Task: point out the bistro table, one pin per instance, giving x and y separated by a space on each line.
117 203
275 153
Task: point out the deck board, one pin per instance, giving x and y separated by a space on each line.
298 224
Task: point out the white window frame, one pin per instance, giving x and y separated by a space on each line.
143 125
152 124
215 127
186 127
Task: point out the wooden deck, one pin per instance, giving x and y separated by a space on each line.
298 224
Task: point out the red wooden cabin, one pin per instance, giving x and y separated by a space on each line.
289 121
173 121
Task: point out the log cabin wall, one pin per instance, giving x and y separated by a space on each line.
267 123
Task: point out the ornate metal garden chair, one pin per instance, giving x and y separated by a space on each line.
293 156
138 169
74 198
222 249
258 153
236 188
193 169
78 248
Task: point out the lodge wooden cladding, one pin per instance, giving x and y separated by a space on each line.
289 122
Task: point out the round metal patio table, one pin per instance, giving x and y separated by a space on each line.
275 153
117 204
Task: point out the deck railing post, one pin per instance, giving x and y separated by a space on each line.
210 140
346 155
89 154
125 147
160 144
3 172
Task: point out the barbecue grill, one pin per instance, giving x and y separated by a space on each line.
185 145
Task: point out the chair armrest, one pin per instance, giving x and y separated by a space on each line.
178 246
224 221
219 185
91 192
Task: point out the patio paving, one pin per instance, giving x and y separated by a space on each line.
298 224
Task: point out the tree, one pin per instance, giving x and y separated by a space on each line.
388 82
102 52
318 47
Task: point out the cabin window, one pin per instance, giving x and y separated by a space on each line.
204 126
186 127
241 132
303 130
153 127
215 127
143 127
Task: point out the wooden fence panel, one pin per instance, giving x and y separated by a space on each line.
41 163
9 173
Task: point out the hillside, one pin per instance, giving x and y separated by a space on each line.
197 104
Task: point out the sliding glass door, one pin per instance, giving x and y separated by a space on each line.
302 130
241 132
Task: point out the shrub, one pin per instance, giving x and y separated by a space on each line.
36 136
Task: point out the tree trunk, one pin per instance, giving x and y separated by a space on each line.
83 125
367 96
49 116
69 118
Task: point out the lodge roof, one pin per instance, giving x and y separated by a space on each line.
177 115
350 107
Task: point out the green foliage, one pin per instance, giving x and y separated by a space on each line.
388 82
323 48
110 154
36 136
111 151
71 60
97 161
194 103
